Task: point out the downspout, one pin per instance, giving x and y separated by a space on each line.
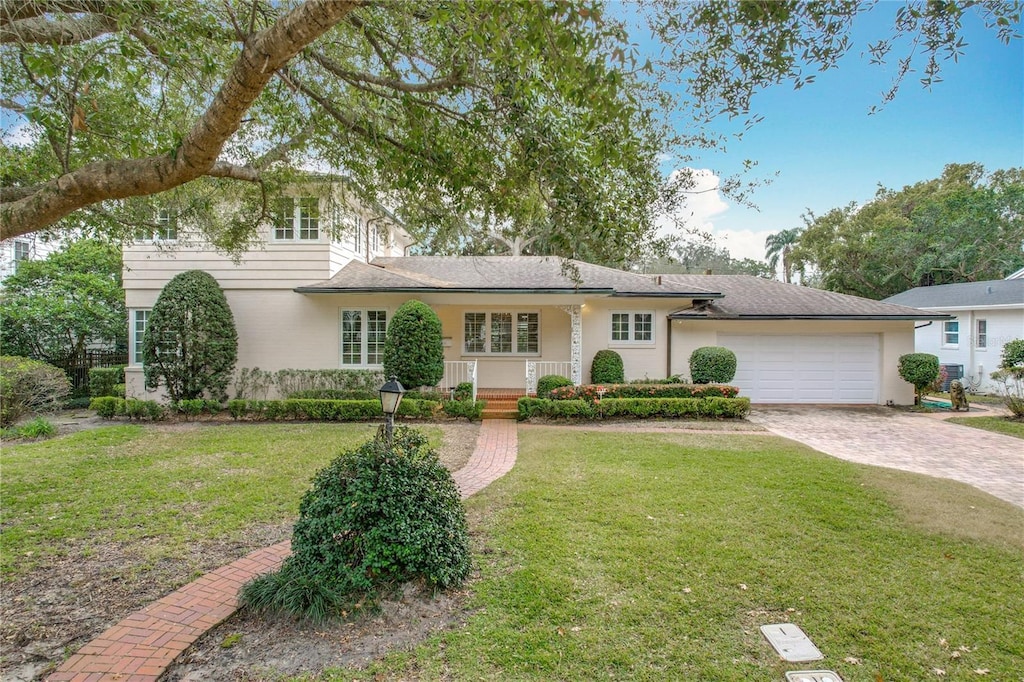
668 349
926 324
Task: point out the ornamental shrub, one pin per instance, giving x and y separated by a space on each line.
463 391
920 369
375 516
1011 388
472 410
190 343
104 380
712 365
413 351
549 382
1013 354
592 393
29 386
607 368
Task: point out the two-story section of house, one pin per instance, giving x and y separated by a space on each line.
313 233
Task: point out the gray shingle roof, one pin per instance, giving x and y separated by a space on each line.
965 295
526 274
748 297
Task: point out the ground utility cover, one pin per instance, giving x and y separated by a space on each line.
791 642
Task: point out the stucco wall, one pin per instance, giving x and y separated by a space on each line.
1004 325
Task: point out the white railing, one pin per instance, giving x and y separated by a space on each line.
458 372
536 369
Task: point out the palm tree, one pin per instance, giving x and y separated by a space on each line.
781 245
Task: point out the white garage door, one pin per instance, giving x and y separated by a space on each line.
838 368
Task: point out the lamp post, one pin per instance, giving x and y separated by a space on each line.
390 396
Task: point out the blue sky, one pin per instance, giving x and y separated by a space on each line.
828 151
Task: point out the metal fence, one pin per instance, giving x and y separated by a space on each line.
78 367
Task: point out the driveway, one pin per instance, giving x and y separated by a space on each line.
903 440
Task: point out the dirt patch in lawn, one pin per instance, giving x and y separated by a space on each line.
50 612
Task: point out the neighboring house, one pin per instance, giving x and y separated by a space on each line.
27 247
985 315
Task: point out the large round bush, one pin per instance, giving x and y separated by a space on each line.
413 351
375 516
712 365
920 369
28 386
550 382
607 368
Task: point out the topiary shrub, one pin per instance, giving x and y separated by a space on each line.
413 351
920 369
190 344
712 365
375 516
550 382
607 368
29 386
1013 354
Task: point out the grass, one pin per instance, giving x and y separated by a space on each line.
1004 425
658 556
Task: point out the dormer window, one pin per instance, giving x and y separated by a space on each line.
297 219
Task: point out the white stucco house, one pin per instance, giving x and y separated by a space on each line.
984 316
320 289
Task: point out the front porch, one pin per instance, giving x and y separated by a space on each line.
458 372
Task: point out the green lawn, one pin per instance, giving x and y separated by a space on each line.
656 557
1009 427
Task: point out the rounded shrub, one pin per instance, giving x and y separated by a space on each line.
1013 354
413 351
607 368
28 386
550 382
375 516
921 370
712 365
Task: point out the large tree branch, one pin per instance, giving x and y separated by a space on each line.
434 85
63 31
261 58
16 10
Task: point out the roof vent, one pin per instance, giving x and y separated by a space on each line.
988 289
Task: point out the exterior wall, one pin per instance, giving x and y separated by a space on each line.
896 339
640 360
1004 324
38 249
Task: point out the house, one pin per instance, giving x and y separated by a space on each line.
984 316
27 247
316 296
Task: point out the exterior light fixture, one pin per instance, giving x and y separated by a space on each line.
390 397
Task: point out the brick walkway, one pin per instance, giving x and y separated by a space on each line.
139 648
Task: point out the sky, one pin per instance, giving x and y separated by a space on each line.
828 151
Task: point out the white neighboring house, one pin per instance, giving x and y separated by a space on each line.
986 315
27 247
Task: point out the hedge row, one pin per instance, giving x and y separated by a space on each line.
108 407
590 391
326 410
716 407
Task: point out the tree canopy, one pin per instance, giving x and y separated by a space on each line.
538 117
965 226
697 257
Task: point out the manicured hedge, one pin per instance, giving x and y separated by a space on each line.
472 410
590 391
104 381
715 407
108 407
325 410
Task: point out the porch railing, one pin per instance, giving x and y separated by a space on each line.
539 368
458 372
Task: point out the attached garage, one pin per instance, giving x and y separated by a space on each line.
820 369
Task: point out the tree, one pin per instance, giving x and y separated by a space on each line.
413 350
190 344
694 256
965 226
53 309
921 370
780 246
451 111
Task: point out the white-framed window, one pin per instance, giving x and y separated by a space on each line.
951 333
296 219
163 229
632 326
362 337
357 234
139 319
981 334
22 250
375 240
501 333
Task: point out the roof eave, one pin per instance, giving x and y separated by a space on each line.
811 317
447 290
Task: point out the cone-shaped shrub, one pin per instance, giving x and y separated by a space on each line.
413 351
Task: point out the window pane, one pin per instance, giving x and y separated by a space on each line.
351 337
376 330
21 250
620 326
357 235
309 218
952 332
527 332
501 332
284 219
166 225
643 327
475 330
982 336
138 331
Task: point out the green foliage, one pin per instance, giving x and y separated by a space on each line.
593 392
334 394
1011 388
638 408
712 365
109 407
105 380
779 246
376 516
252 383
326 410
194 407
919 369
699 256
190 344
463 391
34 429
607 368
549 382
472 410
28 386
413 351
53 308
290 382
965 226
1013 354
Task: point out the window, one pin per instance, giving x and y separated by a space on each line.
164 227
138 330
362 336
357 235
951 333
981 336
21 250
633 327
502 332
375 237
297 218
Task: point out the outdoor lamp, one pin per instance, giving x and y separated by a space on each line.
390 397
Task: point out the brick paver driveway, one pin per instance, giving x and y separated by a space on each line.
902 440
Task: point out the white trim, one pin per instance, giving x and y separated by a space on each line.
487 339
999 306
631 331
945 343
363 337
295 226
135 343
